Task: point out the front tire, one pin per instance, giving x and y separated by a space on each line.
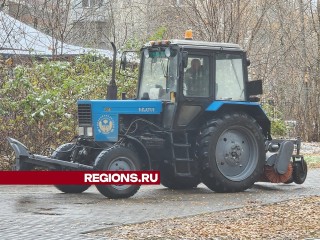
232 153
118 158
64 153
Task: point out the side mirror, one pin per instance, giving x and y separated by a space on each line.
254 88
248 62
123 62
185 59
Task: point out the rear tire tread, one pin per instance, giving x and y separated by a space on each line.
211 176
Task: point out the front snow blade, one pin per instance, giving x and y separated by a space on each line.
24 159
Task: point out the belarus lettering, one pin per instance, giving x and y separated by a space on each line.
146 109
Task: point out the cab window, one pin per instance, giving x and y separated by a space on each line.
196 76
229 77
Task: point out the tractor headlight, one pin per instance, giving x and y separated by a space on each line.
81 131
85 131
89 132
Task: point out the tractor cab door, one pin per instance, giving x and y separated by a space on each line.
196 88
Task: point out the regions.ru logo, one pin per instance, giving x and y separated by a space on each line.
105 124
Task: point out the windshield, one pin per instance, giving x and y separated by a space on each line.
159 73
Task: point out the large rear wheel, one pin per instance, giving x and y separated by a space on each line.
232 153
118 158
64 153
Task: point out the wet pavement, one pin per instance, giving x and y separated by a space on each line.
42 212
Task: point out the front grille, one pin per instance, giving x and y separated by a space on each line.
84 114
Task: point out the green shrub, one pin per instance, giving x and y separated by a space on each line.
278 127
38 102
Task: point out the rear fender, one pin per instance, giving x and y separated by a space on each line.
251 108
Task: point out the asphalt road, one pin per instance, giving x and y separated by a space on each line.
42 212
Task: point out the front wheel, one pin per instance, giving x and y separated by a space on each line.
118 158
64 153
232 153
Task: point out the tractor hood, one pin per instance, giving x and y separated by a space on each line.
102 116
124 106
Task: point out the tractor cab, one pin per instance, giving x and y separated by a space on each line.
188 68
195 78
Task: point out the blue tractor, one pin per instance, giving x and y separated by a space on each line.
196 118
